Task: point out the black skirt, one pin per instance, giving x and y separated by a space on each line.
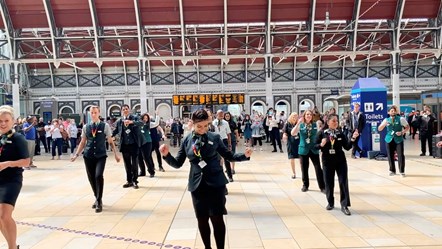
10 189
209 201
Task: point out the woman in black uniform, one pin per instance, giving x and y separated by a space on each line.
93 141
332 143
13 156
207 182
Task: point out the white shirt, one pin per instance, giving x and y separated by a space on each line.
222 128
56 132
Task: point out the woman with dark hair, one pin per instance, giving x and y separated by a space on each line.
13 156
397 126
247 124
207 182
332 142
307 130
145 154
234 136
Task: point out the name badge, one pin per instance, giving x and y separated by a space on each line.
307 141
210 142
296 137
332 151
392 132
127 131
8 142
100 131
142 131
202 164
339 139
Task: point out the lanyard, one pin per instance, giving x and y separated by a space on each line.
196 151
332 140
94 130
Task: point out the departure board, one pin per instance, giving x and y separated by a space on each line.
209 99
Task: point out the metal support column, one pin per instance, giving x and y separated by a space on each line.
143 92
395 71
16 92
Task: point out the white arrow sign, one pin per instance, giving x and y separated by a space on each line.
379 106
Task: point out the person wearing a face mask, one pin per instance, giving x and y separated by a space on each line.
332 142
397 126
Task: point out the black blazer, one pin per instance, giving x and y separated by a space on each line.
135 129
361 121
212 174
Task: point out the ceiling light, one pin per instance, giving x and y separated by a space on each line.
433 62
379 52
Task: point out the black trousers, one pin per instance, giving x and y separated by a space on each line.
336 164
49 142
318 170
145 159
37 144
156 148
355 145
227 163
57 143
399 148
426 137
95 170
130 158
275 137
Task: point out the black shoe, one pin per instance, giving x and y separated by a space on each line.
161 169
304 189
281 151
98 208
329 207
422 154
94 205
152 176
136 186
345 210
128 184
230 179
323 191
360 153
293 176
233 171
274 151
142 174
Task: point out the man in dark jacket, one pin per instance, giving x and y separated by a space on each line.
128 128
357 123
426 121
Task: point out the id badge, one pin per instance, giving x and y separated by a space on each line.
142 131
392 132
332 151
127 131
202 164
307 141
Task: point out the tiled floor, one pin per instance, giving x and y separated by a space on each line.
266 207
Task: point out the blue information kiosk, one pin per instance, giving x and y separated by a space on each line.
371 94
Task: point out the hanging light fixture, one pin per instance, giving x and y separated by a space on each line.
327 18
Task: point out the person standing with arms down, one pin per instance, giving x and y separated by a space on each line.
13 156
30 135
222 128
333 142
307 131
292 141
93 141
425 122
357 123
207 182
394 138
128 128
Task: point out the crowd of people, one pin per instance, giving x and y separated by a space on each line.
209 141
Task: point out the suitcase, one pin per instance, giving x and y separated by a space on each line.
437 152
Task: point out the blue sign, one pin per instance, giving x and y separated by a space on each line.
371 94
8 99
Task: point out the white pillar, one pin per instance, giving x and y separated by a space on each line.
269 90
16 92
143 89
395 71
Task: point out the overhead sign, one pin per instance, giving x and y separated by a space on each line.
209 99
